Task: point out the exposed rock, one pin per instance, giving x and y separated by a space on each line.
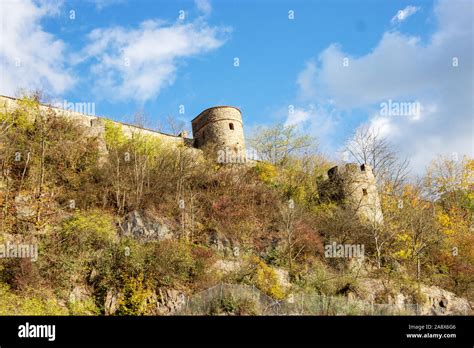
23 207
400 300
93 275
111 302
283 277
443 302
438 301
221 243
371 290
79 293
226 266
144 227
169 301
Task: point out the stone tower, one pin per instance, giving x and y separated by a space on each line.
220 126
357 187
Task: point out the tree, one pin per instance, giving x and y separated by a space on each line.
174 126
418 229
451 181
276 144
367 146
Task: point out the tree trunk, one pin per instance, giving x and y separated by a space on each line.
40 182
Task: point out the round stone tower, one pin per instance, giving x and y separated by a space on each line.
220 126
357 186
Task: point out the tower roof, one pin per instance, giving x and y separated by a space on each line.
215 107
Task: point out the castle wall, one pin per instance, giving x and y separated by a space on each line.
95 126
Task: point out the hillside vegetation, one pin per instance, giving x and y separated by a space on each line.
264 225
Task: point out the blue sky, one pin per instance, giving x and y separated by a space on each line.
127 56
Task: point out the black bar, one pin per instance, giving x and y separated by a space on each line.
282 330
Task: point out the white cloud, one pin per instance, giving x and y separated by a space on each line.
404 14
138 63
306 79
101 4
297 116
404 69
30 58
315 119
204 6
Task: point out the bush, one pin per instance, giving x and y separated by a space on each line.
267 281
69 253
229 305
136 297
19 273
178 263
84 307
33 304
318 279
93 229
266 172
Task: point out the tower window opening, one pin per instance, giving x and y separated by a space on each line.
231 126
362 167
364 191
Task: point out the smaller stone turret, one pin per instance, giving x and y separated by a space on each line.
356 186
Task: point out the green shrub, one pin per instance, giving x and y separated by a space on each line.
83 307
69 253
176 262
32 304
319 279
92 229
114 137
229 305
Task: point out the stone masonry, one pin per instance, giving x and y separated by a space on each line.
356 186
222 127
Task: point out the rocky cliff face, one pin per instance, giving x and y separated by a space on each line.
443 302
436 301
142 226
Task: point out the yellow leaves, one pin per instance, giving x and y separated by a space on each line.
22 117
404 241
443 219
267 280
467 180
114 137
147 145
411 196
448 232
266 172
403 254
136 296
450 174
403 237
452 222
138 144
92 227
33 303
